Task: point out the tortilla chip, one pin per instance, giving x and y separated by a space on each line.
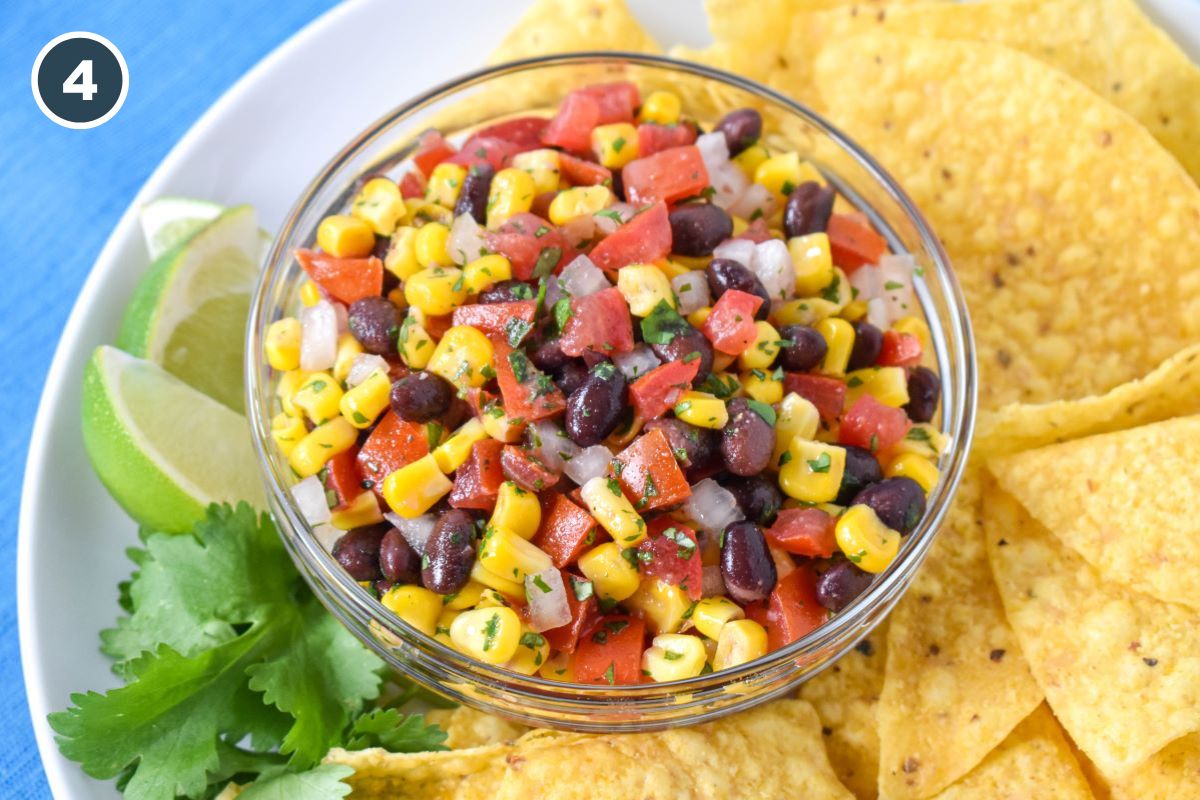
565 26
770 751
1034 761
1172 773
472 774
1121 670
1091 493
1036 187
465 727
845 697
956 684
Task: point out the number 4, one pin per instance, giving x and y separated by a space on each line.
80 81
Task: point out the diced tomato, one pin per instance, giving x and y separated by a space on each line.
853 242
565 638
412 185
494 319
827 394
643 240
730 325
899 350
525 132
477 481
658 390
436 326
343 477
756 231
617 101
432 150
668 559
598 322
566 530
649 474
668 175
571 127
793 609
489 150
344 279
530 395
610 651
653 138
870 424
393 444
803 531
534 246
525 469
580 172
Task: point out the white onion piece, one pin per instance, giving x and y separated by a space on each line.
692 290
637 362
773 266
897 273
309 495
326 535
547 596
712 507
554 291
713 582
714 150
756 201
465 243
728 182
318 337
415 531
868 281
607 221
552 444
362 366
591 462
582 277
877 314
739 250
579 230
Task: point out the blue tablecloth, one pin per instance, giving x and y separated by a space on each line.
61 193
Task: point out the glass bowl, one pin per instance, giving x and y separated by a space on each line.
483 97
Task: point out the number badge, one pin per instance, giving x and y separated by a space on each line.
80 80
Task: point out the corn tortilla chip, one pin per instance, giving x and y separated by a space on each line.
564 26
956 684
1172 773
472 774
1036 186
845 697
465 727
1092 494
1121 670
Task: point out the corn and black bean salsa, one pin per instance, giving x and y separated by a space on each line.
605 398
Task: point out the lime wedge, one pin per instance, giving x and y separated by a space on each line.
164 450
188 312
167 221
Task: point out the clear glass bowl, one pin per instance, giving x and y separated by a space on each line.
516 88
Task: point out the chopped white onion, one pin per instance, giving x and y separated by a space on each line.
756 201
773 266
637 362
692 290
554 291
897 272
465 243
318 337
712 507
713 582
362 366
415 531
326 535
877 314
714 150
553 445
547 596
310 497
579 231
739 250
582 277
591 462
868 282
728 182
613 217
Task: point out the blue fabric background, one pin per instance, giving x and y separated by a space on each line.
61 193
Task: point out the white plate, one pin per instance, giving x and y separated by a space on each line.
259 144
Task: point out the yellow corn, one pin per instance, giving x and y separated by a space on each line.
445 184
923 440
741 640
491 635
415 605
318 397
578 202
612 576
532 652
662 107
761 354
797 418
661 604
644 286
919 468
501 427
866 541
466 597
380 205
414 488
763 386
420 211
348 348
751 158
310 295
401 258
854 311
484 271
321 444
285 390
674 267
813 262
888 385
287 430
804 311
517 510
490 580
542 166
918 328
363 404
345 236
441 630
739 225
783 173
452 453
362 511
607 503
702 410
430 246
490 598
558 667
511 193
839 341
615 145
437 290
416 345
283 344
687 264
462 356
506 554
674 657
812 471
697 317
711 614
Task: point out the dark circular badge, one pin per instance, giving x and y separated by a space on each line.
80 80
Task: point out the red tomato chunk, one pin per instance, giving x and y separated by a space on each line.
870 424
804 532
616 101
494 319
534 246
571 127
669 175
529 396
668 556
793 609
656 392
653 138
730 325
899 350
393 444
344 279
565 638
599 322
610 651
827 394
643 240
566 530
477 481
649 475
526 470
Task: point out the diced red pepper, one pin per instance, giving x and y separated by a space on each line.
477 481
598 322
494 319
668 175
610 651
432 150
565 638
571 127
617 101
344 279
870 424
531 395
525 132
489 150
393 444
827 394
654 138
853 243
730 324
412 185
343 477
656 392
668 559
649 474
526 470
436 326
581 172
899 350
566 530
643 240
793 609
534 246
803 531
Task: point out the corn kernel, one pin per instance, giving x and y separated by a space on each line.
283 344
420 211
812 471
485 271
285 390
506 554
542 166
920 469
607 503
287 430
463 357
517 510
866 541
318 397
441 630
466 597
490 598
363 404
532 652
782 174
739 225
661 604
644 286
797 418
445 184
430 246
415 343
761 354
511 193
321 444
500 426
401 258
415 605
558 667
491 635
673 268
687 264
615 145
763 386
380 205
414 488
854 311
750 159
612 576
674 657
697 317
310 295
453 453
702 410
344 236
362 511
437 290
742 640
888 385
803 311
579 201
348 349
490 580
839 341
813 261
711 614
662 107
923 440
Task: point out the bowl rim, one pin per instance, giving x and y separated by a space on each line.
885 589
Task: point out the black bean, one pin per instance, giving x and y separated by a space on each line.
473 197
725 273
840 584
358 552
868 342
398 562
898 502
697 228
420 396
545 352
507 292
758 497
746 563
862 469
594 409
375 323
808 209
924 391
685 340
693 447
449 553
806 348
570 375
742 128
747 439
